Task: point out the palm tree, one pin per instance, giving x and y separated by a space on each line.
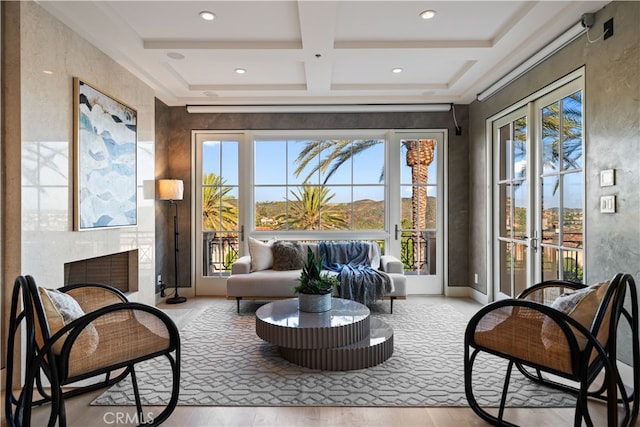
219 209
419 155
311 211
340 150
561 121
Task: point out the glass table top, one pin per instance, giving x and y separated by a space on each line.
285 313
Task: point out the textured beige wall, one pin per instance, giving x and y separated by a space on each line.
11 212
48 239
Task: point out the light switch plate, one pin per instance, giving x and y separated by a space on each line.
608 204
607 178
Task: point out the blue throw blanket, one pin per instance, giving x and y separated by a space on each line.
358 280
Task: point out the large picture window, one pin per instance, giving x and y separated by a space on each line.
319 184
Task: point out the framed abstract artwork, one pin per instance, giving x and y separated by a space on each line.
105 145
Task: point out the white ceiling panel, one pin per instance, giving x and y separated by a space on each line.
319 51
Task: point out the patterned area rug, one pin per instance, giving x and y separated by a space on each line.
224 363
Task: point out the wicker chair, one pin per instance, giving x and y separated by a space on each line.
100 347
534 333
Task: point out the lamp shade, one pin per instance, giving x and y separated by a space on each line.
170 189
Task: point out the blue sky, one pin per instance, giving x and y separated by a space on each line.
275 165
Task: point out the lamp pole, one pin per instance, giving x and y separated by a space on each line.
175 299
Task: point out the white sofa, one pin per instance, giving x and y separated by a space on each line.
270 284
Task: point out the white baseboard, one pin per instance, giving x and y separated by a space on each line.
478 296
456 291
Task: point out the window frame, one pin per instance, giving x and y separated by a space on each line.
421 284
248 208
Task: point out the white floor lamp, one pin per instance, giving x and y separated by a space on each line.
172 190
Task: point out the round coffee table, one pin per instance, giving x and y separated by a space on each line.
343 338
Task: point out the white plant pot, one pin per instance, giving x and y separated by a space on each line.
314 303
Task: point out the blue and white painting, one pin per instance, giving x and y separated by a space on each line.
106 161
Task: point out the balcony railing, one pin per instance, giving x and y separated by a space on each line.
418 251
221 249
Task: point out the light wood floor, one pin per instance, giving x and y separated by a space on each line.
81 414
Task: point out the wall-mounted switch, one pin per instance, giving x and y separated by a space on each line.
608 204
608 29
607 177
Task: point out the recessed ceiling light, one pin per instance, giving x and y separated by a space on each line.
210 94
175 55
427 14
47 72
207 16
240 71
396 70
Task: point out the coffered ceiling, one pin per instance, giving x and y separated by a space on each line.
316 51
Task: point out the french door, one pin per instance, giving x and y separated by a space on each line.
217 189
416 207
538 188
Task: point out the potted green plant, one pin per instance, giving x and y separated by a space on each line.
315 288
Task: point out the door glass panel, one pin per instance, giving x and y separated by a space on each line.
572 211
519 268
506 267
219 189
551 138
563 186
520 211
573 265
512 203
550 261
504 136
550 208
572 131
520 148
504 214
418 186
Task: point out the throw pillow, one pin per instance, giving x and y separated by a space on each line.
261 256
62 309
581 305
287 256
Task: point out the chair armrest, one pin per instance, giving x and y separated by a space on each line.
119 332
391 264
242 265
531 332
546 292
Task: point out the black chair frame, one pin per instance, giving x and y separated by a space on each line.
585 369
38 360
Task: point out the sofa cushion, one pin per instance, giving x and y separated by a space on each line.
261 255
265 283
287 255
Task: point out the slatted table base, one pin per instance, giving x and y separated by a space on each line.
344 338
371 351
